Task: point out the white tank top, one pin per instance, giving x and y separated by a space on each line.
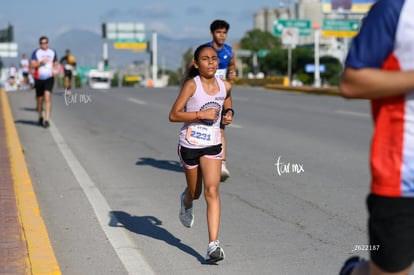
203 133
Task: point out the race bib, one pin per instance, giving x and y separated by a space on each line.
68 67
221 73
199 134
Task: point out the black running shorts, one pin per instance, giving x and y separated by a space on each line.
190 158
68 73
391 230
44 85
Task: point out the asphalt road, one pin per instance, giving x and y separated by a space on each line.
107 178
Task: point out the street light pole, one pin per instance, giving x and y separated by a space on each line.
290 63
105 53
317 75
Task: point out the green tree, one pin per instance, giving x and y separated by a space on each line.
333 70
300 57
187 58
174 77
256 40
275 62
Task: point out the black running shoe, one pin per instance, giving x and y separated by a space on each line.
349 265
41 121
46 124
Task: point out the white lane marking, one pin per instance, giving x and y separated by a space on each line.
232 125
137 101
350 113
127 251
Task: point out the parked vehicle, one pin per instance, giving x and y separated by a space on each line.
97 79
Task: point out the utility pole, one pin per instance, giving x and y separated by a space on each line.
154 58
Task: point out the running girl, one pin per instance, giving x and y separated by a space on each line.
202 99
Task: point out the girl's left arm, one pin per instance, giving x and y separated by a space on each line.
228 105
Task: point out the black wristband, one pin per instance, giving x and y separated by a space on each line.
229 110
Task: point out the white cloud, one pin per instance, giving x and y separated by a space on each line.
62 30
178 31
196 31
159 10
195 10
160 27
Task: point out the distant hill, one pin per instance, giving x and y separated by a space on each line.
87 47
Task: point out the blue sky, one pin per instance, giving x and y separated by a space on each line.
174 18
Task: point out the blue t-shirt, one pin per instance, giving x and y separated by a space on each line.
224 55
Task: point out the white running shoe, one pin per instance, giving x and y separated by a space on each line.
186 215
224 172
214 252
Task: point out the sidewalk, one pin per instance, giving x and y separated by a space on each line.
24 243
13 249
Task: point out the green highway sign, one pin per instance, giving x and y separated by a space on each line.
340 25
118 40
243 53
303 25
262 53
340 28
8 49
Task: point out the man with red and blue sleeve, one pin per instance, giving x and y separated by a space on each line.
44 61
380 67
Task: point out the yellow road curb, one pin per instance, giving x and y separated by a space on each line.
41 258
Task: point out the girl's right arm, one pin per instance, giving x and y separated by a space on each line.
177 113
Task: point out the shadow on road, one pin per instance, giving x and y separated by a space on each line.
152 227
28 109
27 122
171 165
